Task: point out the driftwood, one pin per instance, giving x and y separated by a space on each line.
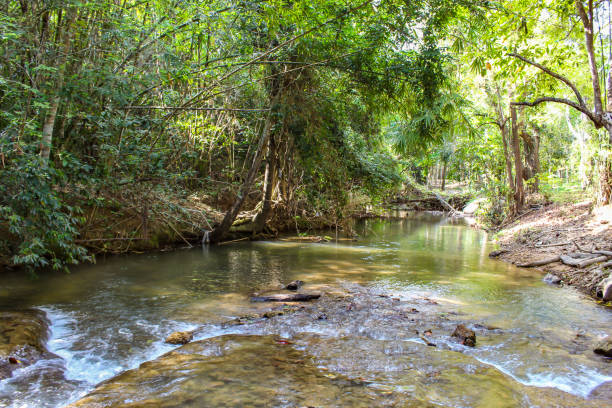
540 262
286 297
602 252
581 263
606 265
553 245
447 205
581 255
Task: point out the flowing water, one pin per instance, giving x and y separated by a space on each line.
112 316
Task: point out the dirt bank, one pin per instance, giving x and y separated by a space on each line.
574 230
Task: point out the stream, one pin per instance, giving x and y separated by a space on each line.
534 341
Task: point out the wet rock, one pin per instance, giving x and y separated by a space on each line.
23 335
496 253
295 285
232 371
551 279
286 297
604 347
602 392
272 313
179 337
465 335
606 289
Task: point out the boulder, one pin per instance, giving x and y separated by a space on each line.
551 279
295 285
179 337
465 335
604 347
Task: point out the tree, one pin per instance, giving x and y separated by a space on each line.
600 117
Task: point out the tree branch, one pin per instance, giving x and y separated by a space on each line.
564 101
554 75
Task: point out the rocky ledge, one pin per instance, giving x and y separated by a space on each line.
23 335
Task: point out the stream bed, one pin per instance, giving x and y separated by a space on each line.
360 345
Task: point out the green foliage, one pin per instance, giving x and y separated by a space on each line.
42 226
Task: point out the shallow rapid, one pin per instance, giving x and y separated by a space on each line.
534 344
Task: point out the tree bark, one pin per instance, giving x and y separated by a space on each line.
49 122
222 229
587 21
519 193
259 221
507 156
443 176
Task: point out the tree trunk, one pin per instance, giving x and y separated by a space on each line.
268 188
443 176
519 193
532 159
507 156
49 122
604 189
222 229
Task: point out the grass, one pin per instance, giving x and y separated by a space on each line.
564 191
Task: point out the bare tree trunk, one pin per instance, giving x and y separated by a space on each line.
519 193
222 229
269 185
49 122
443 176
508 158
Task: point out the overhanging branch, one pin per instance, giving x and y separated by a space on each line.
554 75
564 101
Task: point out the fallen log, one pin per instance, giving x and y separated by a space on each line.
581 255
286 297
602 252
553 245
581 263
540 262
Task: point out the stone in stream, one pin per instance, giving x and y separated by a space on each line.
23 335
606 289
295 285
179 337
496 253
604 347
467 336
233 371
286 297
551 279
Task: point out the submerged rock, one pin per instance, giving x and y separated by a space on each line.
551 279
295 285
465 335
179 337
23 335
232 371
604 347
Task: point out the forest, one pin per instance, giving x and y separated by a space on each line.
126 125
305 203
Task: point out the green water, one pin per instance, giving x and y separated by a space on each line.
112 316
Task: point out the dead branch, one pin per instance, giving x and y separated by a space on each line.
540 262
568 260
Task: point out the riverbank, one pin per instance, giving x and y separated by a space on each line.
570 229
